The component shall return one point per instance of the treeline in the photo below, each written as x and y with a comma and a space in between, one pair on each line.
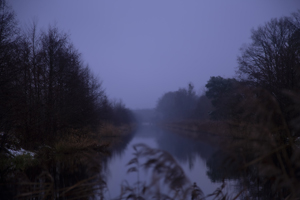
46, 89
267, 77
257, 113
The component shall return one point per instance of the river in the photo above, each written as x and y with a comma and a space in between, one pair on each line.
191, 155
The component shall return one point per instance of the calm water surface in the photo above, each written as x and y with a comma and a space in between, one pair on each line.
191, 155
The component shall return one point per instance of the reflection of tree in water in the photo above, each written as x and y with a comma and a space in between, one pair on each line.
249, 180
118, 149
220, 167
184, 149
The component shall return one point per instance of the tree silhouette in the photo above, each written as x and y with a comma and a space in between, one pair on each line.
45, 87
272, 60
224, 97
9, 36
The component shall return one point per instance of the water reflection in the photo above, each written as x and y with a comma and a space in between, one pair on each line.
221, 166
190, 155
183, 148
229, 165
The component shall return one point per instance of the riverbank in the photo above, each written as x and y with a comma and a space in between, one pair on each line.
259, 150
207, 131
70, 166
225, 131
114, 135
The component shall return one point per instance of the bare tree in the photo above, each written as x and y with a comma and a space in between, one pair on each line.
9, 34
272, 60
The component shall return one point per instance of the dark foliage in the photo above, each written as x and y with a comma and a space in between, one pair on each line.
225, 97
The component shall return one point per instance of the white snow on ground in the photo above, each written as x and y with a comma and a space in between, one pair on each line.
20, 152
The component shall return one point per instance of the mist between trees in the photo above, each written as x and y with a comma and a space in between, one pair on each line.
258, 112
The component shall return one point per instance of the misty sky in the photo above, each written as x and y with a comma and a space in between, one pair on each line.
141, 49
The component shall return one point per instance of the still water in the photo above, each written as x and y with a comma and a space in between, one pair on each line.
190, 154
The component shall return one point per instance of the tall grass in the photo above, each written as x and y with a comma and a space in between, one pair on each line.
168, 180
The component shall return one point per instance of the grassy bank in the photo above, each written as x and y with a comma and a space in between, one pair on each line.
201, 130
68, 168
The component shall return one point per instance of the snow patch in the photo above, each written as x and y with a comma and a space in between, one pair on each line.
20, 152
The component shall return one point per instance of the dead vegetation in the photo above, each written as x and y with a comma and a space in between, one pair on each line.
168, 180
68, 169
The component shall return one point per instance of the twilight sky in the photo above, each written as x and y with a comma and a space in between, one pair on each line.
141, 49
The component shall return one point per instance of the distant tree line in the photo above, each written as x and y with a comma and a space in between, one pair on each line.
183, 104
45, 87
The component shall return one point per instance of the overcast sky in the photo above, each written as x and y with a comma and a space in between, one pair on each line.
141, 49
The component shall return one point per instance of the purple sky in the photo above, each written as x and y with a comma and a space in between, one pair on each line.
141, 49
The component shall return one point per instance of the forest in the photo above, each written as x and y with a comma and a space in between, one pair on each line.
50, 102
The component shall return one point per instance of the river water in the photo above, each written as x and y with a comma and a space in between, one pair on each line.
191, 155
